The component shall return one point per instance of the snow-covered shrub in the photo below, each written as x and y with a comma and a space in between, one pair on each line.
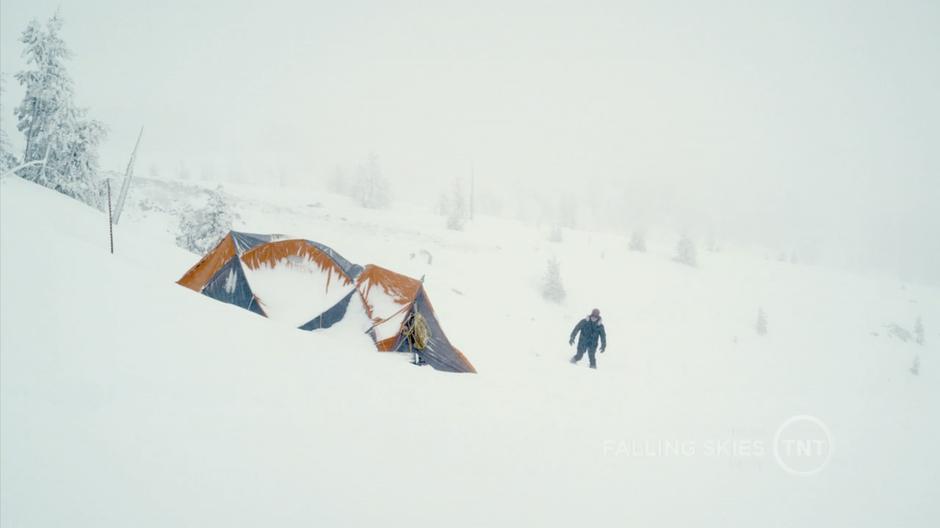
552, 288
760, 326
899, 332
919, 331
201, 229
637, 241
555, 235
685, 251
915, 368
457, 215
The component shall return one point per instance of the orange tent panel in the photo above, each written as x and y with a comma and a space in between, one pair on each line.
272, 253
197, 276
398, 288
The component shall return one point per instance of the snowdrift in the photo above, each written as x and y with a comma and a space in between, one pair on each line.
126, 400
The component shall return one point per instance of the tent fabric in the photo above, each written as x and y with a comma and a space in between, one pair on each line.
274, 252
245, 269
351, 270
389, 299
200, 274
439, 352
331, 316
295, 280
230, 286
386, 296
245, 241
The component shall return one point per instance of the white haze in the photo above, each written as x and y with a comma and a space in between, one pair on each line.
803, 125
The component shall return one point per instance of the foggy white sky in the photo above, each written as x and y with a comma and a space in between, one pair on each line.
794, 121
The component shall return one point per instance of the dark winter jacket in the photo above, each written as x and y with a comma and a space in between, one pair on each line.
590, 331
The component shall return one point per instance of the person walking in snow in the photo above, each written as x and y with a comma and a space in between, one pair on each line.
591, 328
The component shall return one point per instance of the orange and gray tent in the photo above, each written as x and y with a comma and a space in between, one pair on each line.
248, 270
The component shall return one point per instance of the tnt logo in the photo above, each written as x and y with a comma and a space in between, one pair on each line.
803, 445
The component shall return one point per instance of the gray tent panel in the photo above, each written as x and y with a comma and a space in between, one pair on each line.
229, 285
438, 353
351, 270
331, 316
246, 241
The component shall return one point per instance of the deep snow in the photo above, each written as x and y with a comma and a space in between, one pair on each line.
128, 400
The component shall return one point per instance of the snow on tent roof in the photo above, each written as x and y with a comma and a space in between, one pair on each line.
295, 280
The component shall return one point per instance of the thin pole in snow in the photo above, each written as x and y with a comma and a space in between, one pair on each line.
128, 174
110, 223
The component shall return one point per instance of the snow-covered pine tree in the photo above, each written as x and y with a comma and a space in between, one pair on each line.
711, 243
552, 288
54, 127
371, 188
556, 234
201, 229
457, 215
637, 241
685, 251
568, 212
915, 368
761, 325
443, 205
919, 331
7, 157
339, 181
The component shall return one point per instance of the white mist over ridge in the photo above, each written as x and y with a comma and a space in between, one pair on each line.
790, 126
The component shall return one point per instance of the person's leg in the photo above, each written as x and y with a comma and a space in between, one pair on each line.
577, 357
591, 352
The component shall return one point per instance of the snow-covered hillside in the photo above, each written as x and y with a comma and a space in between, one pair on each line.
128, 400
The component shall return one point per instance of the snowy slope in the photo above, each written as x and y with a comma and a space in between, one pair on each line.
130, 401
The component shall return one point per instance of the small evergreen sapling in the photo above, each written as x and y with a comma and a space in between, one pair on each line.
552, 288
761, 325
685, 251
457, 215
637, 242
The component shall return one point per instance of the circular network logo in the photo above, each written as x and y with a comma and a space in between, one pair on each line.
803, 445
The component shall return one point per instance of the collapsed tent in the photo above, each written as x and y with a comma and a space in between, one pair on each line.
311, 286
